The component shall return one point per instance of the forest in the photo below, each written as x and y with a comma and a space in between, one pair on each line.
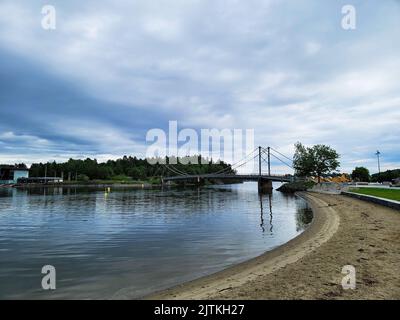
126, 168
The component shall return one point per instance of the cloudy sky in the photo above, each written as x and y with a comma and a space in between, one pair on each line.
112, 70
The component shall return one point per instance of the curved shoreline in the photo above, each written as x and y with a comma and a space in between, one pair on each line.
324, 225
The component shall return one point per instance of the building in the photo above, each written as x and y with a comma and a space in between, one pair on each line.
10, 174
40, 180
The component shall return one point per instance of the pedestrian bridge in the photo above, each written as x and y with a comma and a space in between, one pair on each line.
227, 177
264, 180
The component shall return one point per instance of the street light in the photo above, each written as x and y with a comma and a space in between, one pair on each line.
379, 164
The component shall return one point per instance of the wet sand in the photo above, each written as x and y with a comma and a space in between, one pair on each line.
344, 231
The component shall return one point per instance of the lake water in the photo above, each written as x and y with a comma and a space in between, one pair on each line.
133, 242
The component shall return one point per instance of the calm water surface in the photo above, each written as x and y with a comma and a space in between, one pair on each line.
134, 242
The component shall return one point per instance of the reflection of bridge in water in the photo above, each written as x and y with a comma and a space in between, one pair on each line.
264, 179
262, 224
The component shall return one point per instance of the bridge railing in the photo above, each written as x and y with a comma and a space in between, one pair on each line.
230, 176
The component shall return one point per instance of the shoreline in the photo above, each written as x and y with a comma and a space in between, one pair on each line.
145, 186
85, 185
344, 231
323, 226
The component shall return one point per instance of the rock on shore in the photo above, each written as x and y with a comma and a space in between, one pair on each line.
293, 187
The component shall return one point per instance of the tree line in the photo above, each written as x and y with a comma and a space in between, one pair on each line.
321, 160
362, 174
126, 168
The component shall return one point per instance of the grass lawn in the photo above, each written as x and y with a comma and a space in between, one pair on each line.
392, 194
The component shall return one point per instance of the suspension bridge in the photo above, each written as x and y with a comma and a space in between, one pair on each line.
264, 179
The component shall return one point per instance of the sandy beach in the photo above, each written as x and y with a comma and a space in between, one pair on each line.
344, 231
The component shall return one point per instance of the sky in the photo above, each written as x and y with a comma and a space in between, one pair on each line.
113, 70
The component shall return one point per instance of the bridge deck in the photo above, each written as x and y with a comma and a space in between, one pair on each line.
246, 177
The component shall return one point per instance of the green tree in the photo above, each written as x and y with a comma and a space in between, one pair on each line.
360, 174
386, 176
317, 160
138, 169
83, 178
302, 160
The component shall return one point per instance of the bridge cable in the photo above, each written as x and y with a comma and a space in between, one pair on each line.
234, 166
276, 157
291, 160
176, 171
280, 153
290, 166
172, 168
266, 162
272, 175
247, 162
231, 167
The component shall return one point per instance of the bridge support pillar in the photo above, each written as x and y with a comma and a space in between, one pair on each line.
265, 186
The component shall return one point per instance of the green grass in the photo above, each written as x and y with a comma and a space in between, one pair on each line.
391, 194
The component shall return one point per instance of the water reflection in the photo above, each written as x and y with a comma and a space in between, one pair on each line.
304, 217
132, 242
262, 213
266, 197
270, 212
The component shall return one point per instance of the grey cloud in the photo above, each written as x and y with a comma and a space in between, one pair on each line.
286, 69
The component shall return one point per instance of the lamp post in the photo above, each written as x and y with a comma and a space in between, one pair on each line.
379, 164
